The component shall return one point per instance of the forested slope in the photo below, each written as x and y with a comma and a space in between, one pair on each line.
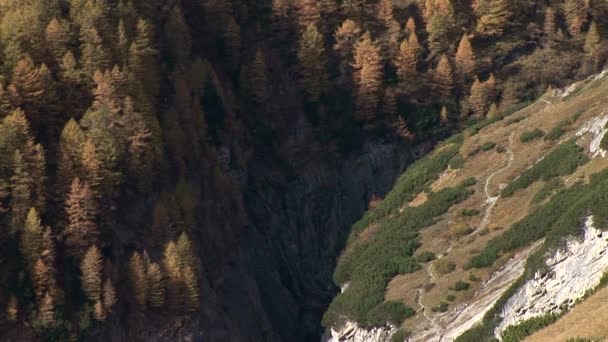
149, 148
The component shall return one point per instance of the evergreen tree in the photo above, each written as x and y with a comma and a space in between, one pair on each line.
12, 309
410, 26
109, 295
90, 268
40, 280
46, 311
493, 111
489, 89
32, 238
57, 38
592, 40
311, 55
444, 78
82, 210
368, 77
346, 36
143, 58
173, 272
95, 56
465, 58
156, 285
402, 130
444, 116
477, 99
407, 59
21, 192
99, 312
550, 25
575, 12
509, 96
69, 162
138, 279
309, 13
389, 102
191, 290
496, 20
91, 165
32, 86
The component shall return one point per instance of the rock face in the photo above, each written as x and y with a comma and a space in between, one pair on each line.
596, 127
572, 271
351, 332
278, 281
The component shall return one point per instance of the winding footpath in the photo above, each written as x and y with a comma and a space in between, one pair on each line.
483, 225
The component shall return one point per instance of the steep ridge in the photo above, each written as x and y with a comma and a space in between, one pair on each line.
527, 165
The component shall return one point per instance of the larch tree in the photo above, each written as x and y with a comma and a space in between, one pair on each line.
311, 55
407, 59
368, 77
138, 279
143, 58
31, 89
178, 36
82, 209
21, 191
309, 13
90, 268
495, 22
191, 289
465, 58
592, 40
443, 78
156, 286
440, 23
410, 26
173, 272
508, 98
37, 165
346, 36
12, 309
444, 116
109, 295
46, 311
91, 165
402, 130
490, 89
32, 238
69, 163
550, 23
99, 311
40, 280
95, 56
493, 111
575, 12
57, 38
477, 99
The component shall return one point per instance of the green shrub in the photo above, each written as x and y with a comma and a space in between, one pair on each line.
457, 162
400, 335
484, 232
516, 333
451, 297
469, 212
392, 312
443, 266
501, 149
460, 230
555, 134
426, 256
473, 277
461, 286
515, 120
488, 146
469, 182
442, 307
550, 188
531, 135
562, 161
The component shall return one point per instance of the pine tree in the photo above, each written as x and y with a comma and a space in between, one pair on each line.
37, 161
123, 40
438, 28
385, 11
309, 13
95, 56
99, 311
68, 157
410, 26
191, 290
90, 268
46, 311
496, 20
489, 89
31, 90
407, 59
346, 36
109, 295
143, 58
368, 77
31, 239
82, 210
592, 40
91, 165
138, 279
402, 130
477, 99
12, 309
311, 55
576, 15
156, 284
465, 58
444, 78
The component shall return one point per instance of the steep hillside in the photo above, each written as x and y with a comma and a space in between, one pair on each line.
498, 232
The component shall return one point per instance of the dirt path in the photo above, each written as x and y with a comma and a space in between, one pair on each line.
484, 222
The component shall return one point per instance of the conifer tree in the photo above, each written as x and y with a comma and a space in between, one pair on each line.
402, 129
309, 13
156, 284
37, 161
173, 271
346, 36
438, 28
143, 58
232, 37
82, 210
109, 295
21, 192
95, 55
123, 42
99, 312
592, 40
444, 78
489, 89
444, 117
32, 238
40, 280
46, 311
508, 98
257, 79
389, 102
477, 99
368, 77
191, 294
410, 26
12, 309
31, 89
68, 157
407, 59
496, 20
311, 55
91, 165
138, 279
550, 25
465, 58
493, 111
57, 37
575, 12
90, 268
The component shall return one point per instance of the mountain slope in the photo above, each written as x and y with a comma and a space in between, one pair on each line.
449, 244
